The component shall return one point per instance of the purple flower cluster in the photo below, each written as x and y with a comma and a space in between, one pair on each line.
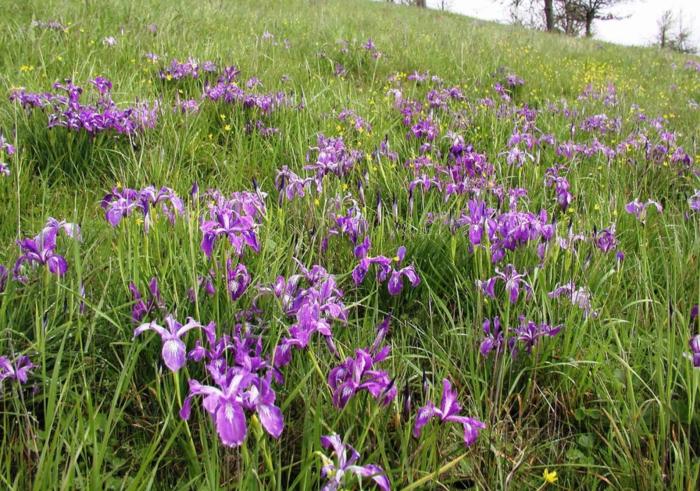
525, 336
467, 172
227, 90
351, 224
122, 202
188, 69
602, 124
423, 129
241, 382
236, 218
332, 157
290, 185
506, 231
314, 308
103, 116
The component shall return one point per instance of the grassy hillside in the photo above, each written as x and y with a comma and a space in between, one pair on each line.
507, 162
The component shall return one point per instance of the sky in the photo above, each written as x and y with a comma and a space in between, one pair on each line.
639, 28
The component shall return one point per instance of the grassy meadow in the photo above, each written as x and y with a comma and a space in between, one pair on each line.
516, 168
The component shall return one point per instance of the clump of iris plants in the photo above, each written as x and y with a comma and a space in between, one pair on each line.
123, 202
65, 108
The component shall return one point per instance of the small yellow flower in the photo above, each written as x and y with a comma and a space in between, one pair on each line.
549, 477
227, 127
317, 202
26, 68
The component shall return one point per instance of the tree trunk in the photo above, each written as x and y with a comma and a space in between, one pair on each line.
420, 3
589, 23
549, 14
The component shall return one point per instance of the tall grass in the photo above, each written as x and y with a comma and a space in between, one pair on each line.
610, 402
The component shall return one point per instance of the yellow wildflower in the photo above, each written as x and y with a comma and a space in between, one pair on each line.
549, 477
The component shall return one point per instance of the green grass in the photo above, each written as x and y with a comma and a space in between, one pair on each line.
608, 403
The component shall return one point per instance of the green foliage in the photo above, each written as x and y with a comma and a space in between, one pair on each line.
610, 402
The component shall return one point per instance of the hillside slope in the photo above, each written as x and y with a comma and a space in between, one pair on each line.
368, 213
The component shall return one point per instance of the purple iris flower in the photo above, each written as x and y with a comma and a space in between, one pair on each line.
494, 337
528, 333
358, 373
237, 279
4, 169
605, 240
226, 404
561, 187
19, 371
387, 270
41, 249
336, 472
513, 282
694, 344
448, 412
3, 278
639, 209
142, 308
290, 184
424, 129
569, 242
581, 297
174, 348
694, 201
102, 84
352, 224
